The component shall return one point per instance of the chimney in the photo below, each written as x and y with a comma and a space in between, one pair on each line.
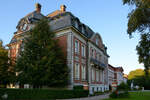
62, 8
38, 8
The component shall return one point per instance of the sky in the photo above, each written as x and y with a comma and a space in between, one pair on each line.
107, 17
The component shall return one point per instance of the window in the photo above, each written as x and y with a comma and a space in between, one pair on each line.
77, 71
76, 24
83, 50
99, 57
24, 27
83, 72
97, 75
92, 53
93, 75
76, 46
99, 79
101, 75
83, 31
97, 41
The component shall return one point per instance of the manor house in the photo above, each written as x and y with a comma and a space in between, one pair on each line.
85, 52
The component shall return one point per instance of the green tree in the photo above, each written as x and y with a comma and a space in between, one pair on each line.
135, 73
139, 78
143, 50
139, 21
41, 62
6, 72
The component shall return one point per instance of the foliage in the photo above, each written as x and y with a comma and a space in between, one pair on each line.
139, 16
123, 87
41, 62
42, 94
141, 81
139, 20
135, 73
143, 50
122, 94
78, 87
6, 71
134, 96
121, 91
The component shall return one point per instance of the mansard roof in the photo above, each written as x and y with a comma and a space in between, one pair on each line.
30, 18
60, 20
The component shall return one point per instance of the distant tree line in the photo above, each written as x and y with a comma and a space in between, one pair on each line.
138, 77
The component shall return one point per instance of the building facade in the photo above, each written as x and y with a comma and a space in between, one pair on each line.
115, 76
86, 54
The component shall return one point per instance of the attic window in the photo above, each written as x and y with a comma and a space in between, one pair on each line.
97, 41
24, 27
76, 24
83, 30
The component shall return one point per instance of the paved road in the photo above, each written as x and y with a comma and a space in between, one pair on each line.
100, 97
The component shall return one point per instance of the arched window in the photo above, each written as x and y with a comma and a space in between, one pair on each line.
97, 41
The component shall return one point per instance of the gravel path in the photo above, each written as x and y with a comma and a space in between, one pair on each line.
100, 97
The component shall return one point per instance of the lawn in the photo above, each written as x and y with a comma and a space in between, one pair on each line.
136, 96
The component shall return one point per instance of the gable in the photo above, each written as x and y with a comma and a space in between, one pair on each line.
96, 38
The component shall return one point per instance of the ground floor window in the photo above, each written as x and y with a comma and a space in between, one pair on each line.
93, 74
97, 75
101, 75
77, 71
83, 72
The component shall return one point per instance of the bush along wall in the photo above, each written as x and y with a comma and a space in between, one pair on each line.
121, 92
42, 94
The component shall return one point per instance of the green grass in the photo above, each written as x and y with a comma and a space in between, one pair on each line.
135, 96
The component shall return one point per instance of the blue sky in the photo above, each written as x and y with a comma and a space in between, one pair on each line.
108, 17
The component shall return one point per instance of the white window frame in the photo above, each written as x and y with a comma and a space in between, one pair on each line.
77, 71
76, 24
83, 50
93, 74
83, 72
76, 46
101, 71
92, 52
97, 75
97, 40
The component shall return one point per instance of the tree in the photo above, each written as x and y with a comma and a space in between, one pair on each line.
41, 62
143, 50
6, 72
139, 21
135, 73
139, 78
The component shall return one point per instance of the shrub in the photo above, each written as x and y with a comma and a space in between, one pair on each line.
113, 95
78, 87
123, 86
120, 94
42, 94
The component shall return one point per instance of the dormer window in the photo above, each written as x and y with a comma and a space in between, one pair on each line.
97, 40
83, 30
76, 24
24, 27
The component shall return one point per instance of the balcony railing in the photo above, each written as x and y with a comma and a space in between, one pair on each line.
98, 63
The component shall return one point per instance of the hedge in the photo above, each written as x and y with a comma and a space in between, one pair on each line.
42, 94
